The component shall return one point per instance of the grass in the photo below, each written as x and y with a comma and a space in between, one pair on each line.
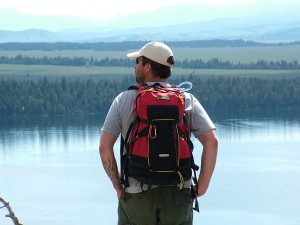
232, 54
241, 54
224, 72
38, 71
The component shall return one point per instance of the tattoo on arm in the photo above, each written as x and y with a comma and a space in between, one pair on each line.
110, 167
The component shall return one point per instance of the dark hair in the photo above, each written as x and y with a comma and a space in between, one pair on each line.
158, 69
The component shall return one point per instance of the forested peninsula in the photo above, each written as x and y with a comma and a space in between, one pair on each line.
214, 63
62, 95
71, 96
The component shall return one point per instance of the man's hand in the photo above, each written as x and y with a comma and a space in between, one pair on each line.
119, 189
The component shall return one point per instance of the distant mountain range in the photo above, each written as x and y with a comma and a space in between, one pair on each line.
274, 26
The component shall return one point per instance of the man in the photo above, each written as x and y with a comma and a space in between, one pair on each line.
158, 204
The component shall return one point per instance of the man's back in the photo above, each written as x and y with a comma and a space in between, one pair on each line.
159, 204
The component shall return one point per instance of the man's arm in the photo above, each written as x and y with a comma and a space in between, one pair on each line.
209, 141
107, 142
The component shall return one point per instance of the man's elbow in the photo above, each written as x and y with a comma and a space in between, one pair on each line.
209, 139
106, 143
103, 147
215, 142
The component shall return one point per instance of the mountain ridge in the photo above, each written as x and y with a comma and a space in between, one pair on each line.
279, 25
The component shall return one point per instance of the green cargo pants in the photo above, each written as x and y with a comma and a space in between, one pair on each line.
164, 205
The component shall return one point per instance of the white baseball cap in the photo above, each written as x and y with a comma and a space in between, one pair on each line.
156, 51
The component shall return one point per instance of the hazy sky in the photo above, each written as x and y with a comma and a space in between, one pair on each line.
73, 14
105, 9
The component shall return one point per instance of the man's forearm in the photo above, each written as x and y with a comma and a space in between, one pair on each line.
208, 163
208, 160
111, 169
108, 158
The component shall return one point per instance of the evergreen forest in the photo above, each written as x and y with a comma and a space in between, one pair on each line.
70, 96
61, 96
126, 45
214, 63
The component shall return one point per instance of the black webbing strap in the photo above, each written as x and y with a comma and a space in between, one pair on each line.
193, 166
123, 155
123, 161
124, 148
142, 133
196, 207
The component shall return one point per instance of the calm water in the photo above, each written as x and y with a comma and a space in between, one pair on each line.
50, 172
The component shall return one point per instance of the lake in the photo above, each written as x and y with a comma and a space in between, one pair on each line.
51, 173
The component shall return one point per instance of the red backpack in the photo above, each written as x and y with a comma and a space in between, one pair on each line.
157, 149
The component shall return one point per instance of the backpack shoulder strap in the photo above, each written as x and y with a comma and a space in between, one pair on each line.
137, 87
133, 87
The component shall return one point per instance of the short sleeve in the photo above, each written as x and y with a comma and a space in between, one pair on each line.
119, 116
112, 123
198, 119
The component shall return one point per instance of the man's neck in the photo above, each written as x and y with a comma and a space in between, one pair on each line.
156, 79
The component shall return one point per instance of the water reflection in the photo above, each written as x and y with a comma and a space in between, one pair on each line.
263, 127
45, 134
79, 133
56, 161
243, 130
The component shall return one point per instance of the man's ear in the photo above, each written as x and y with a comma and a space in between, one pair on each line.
148, 66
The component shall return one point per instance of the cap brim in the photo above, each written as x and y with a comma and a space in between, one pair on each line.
134, 55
